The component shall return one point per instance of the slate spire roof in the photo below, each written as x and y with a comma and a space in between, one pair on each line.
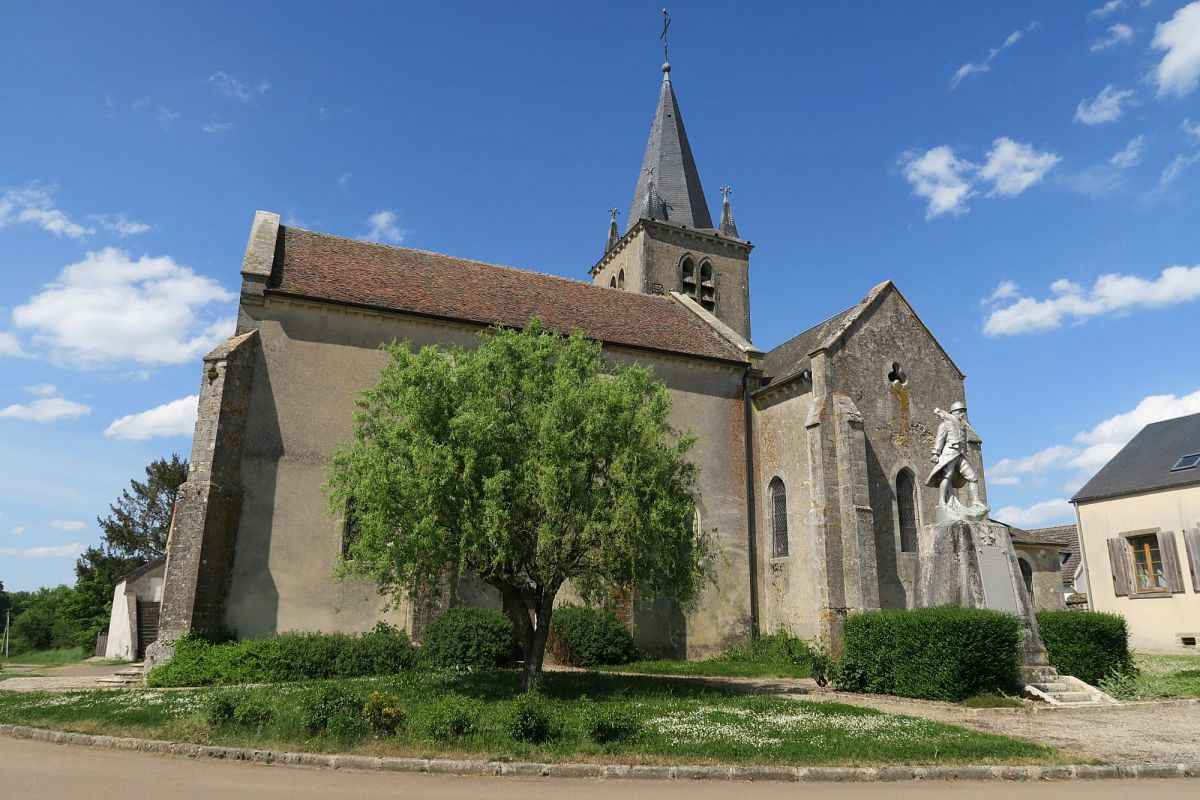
668, 187
728, 226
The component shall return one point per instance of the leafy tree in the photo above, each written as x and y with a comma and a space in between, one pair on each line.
526, 463
135, 532
43, 620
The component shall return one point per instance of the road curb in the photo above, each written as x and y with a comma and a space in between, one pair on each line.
475, 767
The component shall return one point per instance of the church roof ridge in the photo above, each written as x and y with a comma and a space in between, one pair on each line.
324, 267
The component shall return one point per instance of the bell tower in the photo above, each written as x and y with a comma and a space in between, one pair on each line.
670, 243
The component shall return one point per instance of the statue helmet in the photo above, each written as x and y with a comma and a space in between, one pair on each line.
958, 406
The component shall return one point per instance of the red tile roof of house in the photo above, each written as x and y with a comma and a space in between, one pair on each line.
331, 268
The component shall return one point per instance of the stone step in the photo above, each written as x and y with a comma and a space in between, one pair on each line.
1051, 688
129, 672
117, 681
1072, 697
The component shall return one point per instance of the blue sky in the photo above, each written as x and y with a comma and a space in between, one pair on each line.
1028, 174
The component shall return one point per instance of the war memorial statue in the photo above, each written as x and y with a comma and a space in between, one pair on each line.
951, 467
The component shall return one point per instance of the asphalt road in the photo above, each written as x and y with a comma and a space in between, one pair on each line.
65, 772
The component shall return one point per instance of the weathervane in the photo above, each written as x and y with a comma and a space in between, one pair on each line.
663, 35
613, 212
725, 192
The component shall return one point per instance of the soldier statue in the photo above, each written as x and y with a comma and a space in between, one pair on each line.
949, 455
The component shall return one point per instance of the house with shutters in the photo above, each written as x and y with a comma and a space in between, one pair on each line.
1139, 533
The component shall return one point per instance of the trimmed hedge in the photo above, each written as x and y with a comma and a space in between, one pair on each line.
586, 637
465, 637
943, 653
287, 657
1090, 645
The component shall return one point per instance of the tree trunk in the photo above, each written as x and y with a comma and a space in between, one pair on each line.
535, 653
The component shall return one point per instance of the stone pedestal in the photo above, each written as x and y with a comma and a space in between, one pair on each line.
971, 563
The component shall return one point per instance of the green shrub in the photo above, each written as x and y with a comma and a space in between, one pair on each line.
1090, 645
335, 711
468, 637
451, 716
530, 719
585, 637
774, 648
286, 657
610, 724
944, 653
384, 713
240, 709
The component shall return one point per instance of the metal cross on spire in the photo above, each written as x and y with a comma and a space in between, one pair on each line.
725, 192
663, 35
613, 212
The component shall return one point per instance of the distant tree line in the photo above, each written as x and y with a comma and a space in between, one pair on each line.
134, 533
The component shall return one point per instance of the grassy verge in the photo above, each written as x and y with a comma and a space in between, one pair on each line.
672, 722
715, 668
1157, 676
48, 658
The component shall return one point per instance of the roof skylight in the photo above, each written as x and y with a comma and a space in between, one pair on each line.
1186, 462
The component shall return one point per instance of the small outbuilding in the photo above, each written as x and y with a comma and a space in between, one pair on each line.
133, 623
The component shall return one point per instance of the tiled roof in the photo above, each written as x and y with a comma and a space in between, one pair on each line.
1145, 463
323, 267
1066, 537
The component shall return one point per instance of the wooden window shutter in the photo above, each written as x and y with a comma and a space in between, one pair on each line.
1191, 538
1170, 557
1118, 557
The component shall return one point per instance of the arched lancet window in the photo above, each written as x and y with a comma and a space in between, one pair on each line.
687, 271
612, 282
779, 527
708, 289
1026, 575
906, 511
621, 279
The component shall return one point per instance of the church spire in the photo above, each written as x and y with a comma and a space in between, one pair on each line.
613, 235
727, 227
668, 186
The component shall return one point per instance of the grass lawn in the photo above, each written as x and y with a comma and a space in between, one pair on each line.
471, 714
47, 658
1157, 676
716, 668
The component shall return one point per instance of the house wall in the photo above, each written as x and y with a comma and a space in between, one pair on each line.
899, 424
313, 361
1155, 623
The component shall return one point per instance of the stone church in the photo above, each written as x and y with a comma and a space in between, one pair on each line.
812, 455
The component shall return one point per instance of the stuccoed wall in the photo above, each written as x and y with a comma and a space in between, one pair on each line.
792, 588
899, 423
314, 359
1154, 622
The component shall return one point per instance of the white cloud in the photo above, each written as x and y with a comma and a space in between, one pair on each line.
61, 551
1111, 7
939, 177
1013, 167
120, 224
49, 409
1106, 107
384, 228
10, 346
1179, 71
67, 524
1093, 448
1005, 290
41, 389
1057, 510
110, 307
230, 86
1112, 293
1118, 34
176, 418
34, 205
162, 114
216, 125
17, 531
986, 65
1131, 156
1178, 164
1190, 128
